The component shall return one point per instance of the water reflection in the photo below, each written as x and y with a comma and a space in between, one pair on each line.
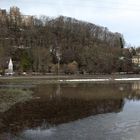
56, 104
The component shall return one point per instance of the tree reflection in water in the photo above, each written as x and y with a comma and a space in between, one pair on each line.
55, 104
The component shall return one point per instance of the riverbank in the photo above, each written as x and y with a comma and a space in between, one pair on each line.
45, 79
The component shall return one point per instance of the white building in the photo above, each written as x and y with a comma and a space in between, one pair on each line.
136, 59
9, 71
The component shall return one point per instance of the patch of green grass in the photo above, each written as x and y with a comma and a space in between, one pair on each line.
11, 96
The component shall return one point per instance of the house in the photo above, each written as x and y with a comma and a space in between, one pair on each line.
136, 59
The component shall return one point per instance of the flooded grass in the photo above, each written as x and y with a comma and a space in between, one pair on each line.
11, 96
47, 79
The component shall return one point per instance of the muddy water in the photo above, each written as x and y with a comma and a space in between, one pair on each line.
75, 112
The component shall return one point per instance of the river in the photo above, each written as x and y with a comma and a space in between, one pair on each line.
76, 111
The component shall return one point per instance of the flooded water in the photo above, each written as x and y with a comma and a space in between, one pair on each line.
105, 111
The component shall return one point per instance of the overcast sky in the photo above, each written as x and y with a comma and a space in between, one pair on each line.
119, 16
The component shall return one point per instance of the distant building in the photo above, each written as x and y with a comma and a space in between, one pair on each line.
15, 15
14, 11
2, 14
136, 59
9, 71
27, 20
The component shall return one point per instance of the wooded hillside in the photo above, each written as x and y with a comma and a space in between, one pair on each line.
38, 44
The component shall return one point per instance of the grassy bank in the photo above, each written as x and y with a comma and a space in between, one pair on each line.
11, 96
